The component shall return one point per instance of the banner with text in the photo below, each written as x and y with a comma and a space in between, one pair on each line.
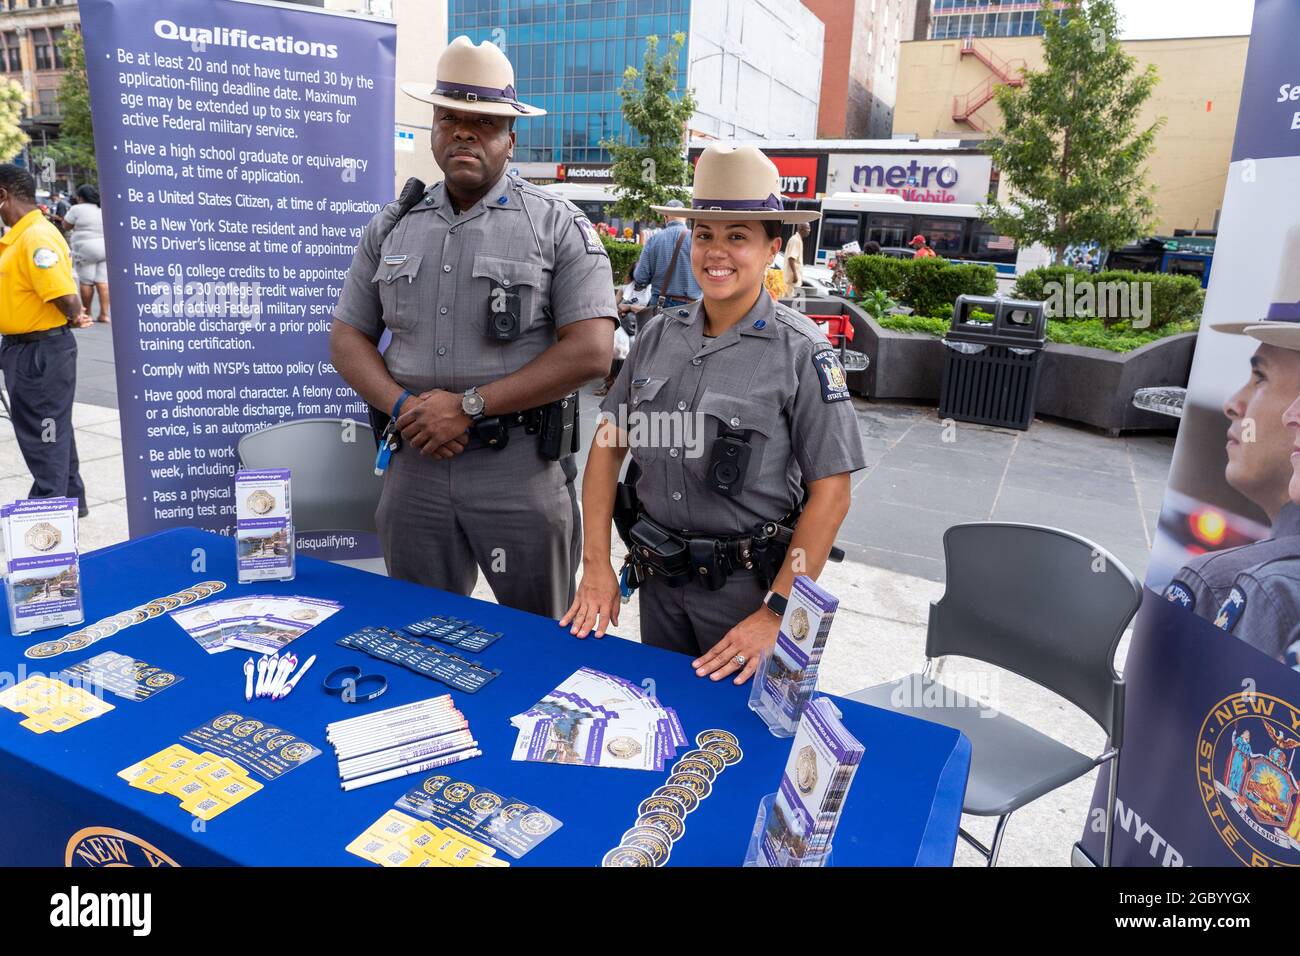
242, 148
1207, 771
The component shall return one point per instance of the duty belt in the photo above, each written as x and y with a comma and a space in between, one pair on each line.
494, 432
678, 557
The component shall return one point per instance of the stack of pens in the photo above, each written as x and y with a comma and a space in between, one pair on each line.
399, 741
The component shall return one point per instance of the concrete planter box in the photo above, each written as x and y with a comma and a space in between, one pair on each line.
1096, 387
1091, 386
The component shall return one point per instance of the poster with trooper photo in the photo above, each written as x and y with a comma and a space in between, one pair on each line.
1207, 769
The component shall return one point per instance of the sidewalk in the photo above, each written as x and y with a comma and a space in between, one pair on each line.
917, 485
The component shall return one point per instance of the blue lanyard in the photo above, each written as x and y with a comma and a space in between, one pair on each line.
388, 440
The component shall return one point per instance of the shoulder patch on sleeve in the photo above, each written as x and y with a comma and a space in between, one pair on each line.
45, 258
1231, 611
1178, 593
590, 236
835, 387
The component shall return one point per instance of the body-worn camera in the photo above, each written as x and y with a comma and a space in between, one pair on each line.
503, 322
728, 462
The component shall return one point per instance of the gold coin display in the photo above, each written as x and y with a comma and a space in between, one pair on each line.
47, 649
706, 737
708, 756
77, 640
627, 856
691, 765
687, 797
730, 753
691, 781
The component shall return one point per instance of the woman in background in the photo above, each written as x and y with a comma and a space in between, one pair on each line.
85, 226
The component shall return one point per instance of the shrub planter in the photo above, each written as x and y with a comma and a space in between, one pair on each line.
1095, 386
1091, 386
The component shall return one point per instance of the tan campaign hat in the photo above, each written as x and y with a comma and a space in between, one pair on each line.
1284, 307
736, 184
1282, 334
473, 79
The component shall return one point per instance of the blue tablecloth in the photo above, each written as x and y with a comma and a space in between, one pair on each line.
903, 808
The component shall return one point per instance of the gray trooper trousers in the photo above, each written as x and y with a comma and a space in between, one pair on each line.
510, 513
691, 619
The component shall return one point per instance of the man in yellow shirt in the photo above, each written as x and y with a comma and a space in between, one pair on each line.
38, 301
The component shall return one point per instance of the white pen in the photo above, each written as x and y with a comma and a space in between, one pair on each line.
362, 747
399, 733
249, 668
432, 720
389, 712
402, 720
292, 682
400, 746
287, 664
404, 756
407, 771
261, 676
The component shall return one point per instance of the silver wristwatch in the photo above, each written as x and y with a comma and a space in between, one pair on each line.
472, 404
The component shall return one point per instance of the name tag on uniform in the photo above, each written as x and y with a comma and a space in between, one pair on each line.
394, 260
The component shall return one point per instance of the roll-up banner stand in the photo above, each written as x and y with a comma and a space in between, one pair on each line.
1207, 771
242, 147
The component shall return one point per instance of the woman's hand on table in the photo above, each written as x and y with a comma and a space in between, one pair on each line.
596, 604
739, 651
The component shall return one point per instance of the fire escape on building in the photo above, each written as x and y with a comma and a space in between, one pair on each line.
1004, 73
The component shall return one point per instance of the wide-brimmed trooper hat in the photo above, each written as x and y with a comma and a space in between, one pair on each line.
1283, 313
736, 184
1285, 336
473, 79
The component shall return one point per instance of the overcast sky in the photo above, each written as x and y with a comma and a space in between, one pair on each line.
1153, 19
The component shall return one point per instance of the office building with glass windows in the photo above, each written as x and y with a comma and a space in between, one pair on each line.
985, 18
755, 66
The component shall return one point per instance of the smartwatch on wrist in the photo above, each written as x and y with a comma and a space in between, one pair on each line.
775, 603
472, 404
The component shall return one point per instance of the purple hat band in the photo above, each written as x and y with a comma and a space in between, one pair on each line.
479, 94
1284, 312
772, 202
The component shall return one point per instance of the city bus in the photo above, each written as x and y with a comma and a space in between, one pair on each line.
953, 230
594, 200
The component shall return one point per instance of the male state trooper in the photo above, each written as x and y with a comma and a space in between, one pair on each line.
1259, 462
1263, 604
500, 303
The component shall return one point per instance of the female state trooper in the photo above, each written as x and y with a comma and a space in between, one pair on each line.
731, 406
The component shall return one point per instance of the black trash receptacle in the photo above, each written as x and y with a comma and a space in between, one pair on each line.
991, 368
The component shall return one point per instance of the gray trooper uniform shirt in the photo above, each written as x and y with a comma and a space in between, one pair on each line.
1262, 607
773, 375
431, 284
1203, 584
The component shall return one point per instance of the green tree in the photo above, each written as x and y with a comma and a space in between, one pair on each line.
75, 147
12, 137
654, 169
1069, 145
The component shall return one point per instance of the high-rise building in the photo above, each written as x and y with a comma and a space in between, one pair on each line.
30, 31
755, 66
986, 18
945, 92
860, 65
